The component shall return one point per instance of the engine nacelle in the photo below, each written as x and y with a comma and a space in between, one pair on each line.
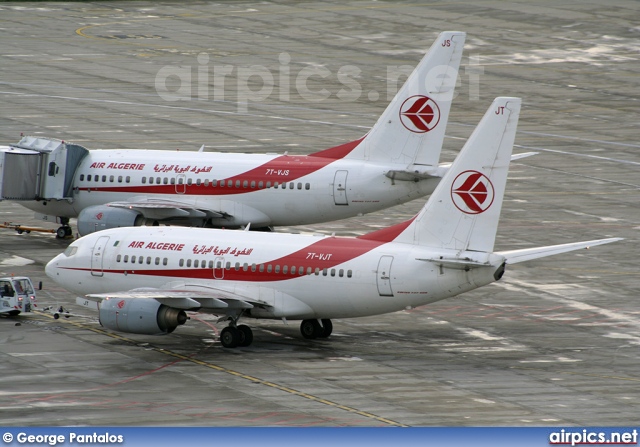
140, 316
100, 217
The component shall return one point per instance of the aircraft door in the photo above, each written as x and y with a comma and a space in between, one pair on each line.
340, 188
218, 268
97, 256
383, 278
181, 184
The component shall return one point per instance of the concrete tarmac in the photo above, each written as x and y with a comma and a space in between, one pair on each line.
555, 342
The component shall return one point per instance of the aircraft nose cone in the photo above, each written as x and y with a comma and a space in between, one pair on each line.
50, 268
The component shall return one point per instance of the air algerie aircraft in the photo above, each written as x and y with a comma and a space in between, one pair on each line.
395, 162
146, 279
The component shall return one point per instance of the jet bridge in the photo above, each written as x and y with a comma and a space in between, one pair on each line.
39, 169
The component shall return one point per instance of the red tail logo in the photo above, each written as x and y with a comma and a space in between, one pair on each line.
419, 114
472, 192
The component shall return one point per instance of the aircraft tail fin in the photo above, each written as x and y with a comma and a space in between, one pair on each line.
463, 212
411, 129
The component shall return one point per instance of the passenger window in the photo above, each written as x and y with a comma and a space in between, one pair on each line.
245, 184
128, 179
188, 262
119, 179
140, 259
349, 273
299, 185
307, 186
118, 258
165, 261
150, 180
81, 177
291, 185
157, 260
149, 260
111, 178
269, 268
285, 269
261, 185
126, 258
196, 263
333, 272
158, 180
253, 184
341, 273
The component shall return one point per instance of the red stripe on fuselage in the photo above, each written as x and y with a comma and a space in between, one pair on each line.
326, 253
283, 169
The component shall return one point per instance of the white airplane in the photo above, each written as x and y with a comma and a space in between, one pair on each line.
395, 162
146, 278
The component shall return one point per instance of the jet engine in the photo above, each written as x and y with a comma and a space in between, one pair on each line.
140, 316
100, 217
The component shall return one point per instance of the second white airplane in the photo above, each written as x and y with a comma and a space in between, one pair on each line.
395, 162
146, 279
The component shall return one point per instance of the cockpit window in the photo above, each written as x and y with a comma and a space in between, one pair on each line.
70, 251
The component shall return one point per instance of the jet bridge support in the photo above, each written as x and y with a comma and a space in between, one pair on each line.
40, 169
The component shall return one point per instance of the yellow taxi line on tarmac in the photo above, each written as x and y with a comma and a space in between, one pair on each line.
232, 372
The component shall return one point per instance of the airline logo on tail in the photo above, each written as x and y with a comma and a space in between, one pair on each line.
419, 114
472, 192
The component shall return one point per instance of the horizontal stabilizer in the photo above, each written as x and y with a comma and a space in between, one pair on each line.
527, 254
523, 155
465, 264
409, 176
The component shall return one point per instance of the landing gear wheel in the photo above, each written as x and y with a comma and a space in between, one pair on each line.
230, 337
310, 329
64, 231
327, 328
246, 335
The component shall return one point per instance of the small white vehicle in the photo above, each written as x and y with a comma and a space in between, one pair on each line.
17, 294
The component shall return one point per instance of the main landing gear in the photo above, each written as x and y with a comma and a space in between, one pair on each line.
236, 336
312, 329
65, 230
241, 336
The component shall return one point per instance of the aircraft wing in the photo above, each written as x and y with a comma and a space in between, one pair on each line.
526, 254
165, 209
197, 297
